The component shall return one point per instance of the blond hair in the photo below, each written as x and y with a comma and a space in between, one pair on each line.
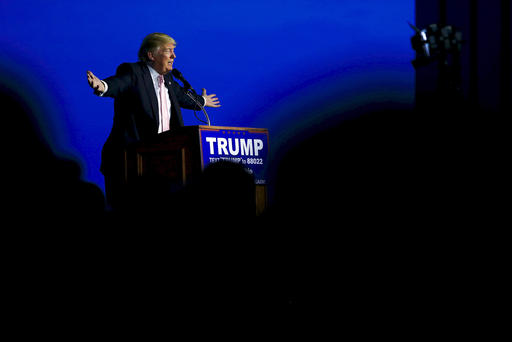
151, 43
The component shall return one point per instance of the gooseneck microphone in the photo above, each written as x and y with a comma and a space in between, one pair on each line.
176, 73
188, 90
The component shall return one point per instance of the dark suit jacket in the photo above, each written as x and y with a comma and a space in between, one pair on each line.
136, 109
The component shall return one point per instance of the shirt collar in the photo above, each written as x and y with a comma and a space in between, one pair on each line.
154, 73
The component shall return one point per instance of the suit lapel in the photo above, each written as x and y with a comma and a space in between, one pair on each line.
150, 89
168, 83
176, 119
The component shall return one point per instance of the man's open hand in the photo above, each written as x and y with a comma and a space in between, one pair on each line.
95, 83
210, 100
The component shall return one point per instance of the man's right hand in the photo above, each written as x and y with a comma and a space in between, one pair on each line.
95, 83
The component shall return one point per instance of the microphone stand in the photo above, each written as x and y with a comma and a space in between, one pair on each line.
190, 92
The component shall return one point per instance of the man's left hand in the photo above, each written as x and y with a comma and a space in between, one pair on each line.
210, 100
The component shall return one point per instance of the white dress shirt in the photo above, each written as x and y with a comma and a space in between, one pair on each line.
156, 84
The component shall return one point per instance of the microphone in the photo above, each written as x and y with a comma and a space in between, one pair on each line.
176, 73
188, 89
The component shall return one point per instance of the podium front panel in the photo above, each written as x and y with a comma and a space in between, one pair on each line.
246, 146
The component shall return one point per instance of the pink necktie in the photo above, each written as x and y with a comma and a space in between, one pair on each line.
164, 110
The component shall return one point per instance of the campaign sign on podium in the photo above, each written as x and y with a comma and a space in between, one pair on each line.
246, 146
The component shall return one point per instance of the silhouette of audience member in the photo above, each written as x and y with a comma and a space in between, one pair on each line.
63, 267
226, 189
369, 213
221, 259
42, 185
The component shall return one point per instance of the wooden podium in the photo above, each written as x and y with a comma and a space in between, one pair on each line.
181, 155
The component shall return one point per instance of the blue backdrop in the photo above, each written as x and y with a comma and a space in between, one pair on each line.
289, 66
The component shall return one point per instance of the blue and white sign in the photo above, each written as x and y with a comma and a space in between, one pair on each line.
245, 146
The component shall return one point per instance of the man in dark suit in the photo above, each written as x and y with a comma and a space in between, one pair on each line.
147, 102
